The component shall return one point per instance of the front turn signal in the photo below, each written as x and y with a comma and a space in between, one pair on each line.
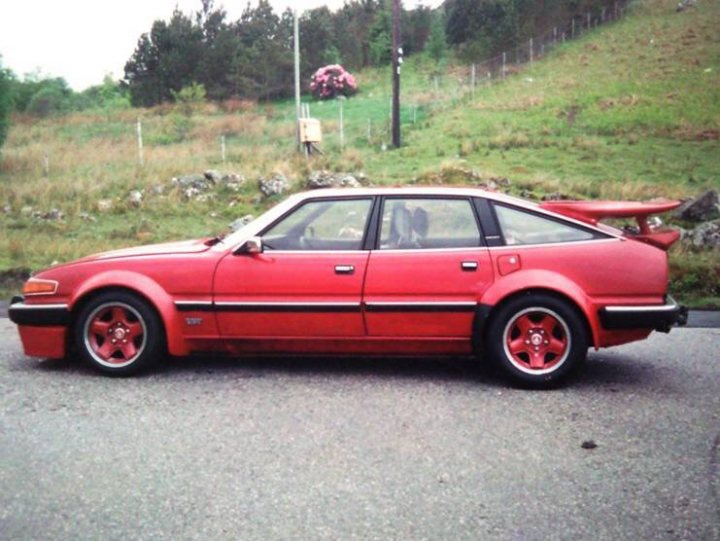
35, 286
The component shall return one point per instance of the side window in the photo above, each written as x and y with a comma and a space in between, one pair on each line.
415, 223
520, 227
321, 225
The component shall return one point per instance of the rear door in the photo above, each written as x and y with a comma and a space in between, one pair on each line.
428, 270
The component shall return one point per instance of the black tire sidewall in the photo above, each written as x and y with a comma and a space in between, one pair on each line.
572, 318
154, 334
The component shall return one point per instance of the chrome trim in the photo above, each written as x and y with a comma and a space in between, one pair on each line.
23, 306
556, 244
643, 308
254, 304
416, 250
344, 269
421, 303
186, 303
469, 265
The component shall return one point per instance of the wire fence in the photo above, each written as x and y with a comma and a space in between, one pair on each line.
441, 91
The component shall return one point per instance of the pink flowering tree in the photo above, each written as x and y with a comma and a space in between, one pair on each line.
331, 81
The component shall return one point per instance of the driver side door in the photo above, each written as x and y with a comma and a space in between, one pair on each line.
307, 282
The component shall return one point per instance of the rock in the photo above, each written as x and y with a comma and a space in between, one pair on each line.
85, 217
205, 197
104, 205
53, 215
704, 207
135, 198
232, 181
198, 182
7, 209
158, 189
275, 185
241, 222
213, 176
682, 6
706, 235
327, 179
556, 196
588, 444
26, 210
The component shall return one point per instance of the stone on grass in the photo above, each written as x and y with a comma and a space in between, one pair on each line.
275, 185
701, 208
327, 179
241, 222
135, 198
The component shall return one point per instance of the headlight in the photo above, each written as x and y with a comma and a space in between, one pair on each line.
36, 286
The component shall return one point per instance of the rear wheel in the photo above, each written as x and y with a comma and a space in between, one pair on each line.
537, 339
118, 333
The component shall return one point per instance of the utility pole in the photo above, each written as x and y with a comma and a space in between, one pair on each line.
296, 40
396, 62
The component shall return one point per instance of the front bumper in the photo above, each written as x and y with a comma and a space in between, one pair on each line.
43, 327
658, 317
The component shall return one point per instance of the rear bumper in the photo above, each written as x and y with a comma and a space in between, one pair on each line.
657, 317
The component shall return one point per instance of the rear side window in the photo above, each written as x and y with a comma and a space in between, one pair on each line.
417, 223
521, 227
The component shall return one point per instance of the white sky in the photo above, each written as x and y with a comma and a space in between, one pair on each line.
82, 40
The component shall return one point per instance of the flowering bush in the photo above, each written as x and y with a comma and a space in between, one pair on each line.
331, 81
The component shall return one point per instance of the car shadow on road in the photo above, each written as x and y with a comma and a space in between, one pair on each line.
600, 371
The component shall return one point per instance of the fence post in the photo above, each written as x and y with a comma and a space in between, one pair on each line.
602, 15
222, 148
542, 49
472, 80
532, 52
554, 34
572, 28
588, 20
141, 159
504, 59
563, 38
342, 127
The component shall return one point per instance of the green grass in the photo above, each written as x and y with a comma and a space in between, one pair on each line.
630, 110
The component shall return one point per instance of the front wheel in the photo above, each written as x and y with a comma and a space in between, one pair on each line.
118, 333
537, 339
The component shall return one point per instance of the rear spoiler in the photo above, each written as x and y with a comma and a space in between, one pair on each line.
592, 212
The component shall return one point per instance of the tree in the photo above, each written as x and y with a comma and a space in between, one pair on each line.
437, 41
381, 38
6, 101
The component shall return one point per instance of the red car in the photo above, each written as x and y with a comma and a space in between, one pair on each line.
370, 271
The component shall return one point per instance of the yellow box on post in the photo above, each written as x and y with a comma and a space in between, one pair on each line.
310, 130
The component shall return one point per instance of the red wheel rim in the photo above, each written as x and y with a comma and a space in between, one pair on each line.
537, 340
115, 334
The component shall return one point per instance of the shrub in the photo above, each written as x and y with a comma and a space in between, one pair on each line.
330, 81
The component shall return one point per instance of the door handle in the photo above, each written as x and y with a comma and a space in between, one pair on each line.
469, 266
344, 269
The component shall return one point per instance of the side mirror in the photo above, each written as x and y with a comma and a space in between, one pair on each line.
253, 245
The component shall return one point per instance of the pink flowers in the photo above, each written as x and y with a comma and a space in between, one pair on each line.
331, 81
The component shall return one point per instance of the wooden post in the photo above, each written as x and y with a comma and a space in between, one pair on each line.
472, 80
532, 52
396, 61
504, 61
342, 128
554, 34
572, 28
588, 21
141, 159
222, 148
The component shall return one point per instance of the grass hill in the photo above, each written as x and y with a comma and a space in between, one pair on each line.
629, 110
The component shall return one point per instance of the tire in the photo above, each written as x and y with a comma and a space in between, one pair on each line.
537, 339
118, 333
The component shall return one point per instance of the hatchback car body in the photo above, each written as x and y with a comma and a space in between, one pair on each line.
370, 271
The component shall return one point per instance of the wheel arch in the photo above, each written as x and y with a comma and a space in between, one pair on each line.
547, 283
142, 286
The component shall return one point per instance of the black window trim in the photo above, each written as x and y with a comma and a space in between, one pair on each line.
596, 235
381, 209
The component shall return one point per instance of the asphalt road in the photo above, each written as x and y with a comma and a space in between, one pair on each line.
363, 449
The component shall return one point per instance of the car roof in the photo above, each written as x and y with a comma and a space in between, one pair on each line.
466, 191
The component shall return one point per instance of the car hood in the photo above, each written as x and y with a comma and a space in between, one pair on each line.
167, 248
